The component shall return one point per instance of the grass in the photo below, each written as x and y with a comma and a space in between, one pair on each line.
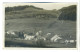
31, 43
32, 24
16, 43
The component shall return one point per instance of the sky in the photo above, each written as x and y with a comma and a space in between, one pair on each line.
47, 6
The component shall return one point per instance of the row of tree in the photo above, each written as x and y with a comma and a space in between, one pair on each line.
16, 8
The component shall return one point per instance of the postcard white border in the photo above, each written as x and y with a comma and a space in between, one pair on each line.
55, 49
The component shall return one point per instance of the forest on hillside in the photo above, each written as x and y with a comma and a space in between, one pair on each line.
68, 13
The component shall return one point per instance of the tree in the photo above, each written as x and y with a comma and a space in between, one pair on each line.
40, 43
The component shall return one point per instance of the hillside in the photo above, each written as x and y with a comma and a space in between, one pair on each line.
30, 12
18, 8
53, 26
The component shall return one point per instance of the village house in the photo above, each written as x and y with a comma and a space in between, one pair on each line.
10, 32
55, 38
52, 38
66, 41
48, 34
72, 41
69, 41
38, 33
28, 37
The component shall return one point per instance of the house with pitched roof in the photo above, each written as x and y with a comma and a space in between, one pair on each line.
55, 38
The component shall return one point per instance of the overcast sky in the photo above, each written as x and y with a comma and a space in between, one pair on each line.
47, 6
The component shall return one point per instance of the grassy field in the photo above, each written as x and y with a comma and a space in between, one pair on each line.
32, 24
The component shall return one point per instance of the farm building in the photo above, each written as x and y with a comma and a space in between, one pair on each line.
55, 38
52, 38
10, 32
66, 41
70, 41
28, 37
38, 33
15, 34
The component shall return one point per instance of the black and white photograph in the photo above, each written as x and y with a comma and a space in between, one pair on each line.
40, 24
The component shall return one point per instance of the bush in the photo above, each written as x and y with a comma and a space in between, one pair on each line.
40, 43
